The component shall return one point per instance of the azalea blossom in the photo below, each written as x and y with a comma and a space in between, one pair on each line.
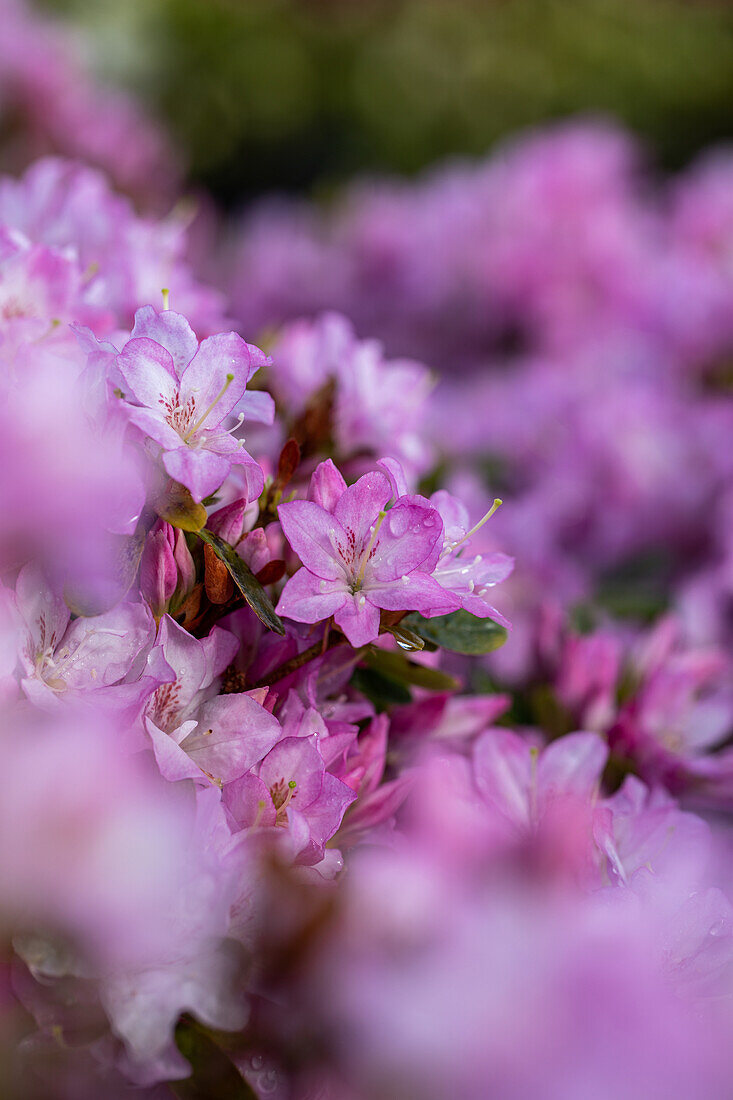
360, 558
184, 392
197, 733
63, 659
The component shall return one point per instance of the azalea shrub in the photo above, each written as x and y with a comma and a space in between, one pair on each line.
365, 625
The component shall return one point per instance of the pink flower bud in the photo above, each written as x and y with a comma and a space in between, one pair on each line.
228, 522
158, 570
184, 563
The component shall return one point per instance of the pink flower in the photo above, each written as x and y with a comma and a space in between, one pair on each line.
360, 558
125, 259
521, 784
468, 578
184, 391
63, 659
291, 788
379, 404
165, 567
196, 733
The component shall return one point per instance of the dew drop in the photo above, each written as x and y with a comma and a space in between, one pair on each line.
398, 522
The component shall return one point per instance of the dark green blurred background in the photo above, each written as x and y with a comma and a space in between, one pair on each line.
297, 94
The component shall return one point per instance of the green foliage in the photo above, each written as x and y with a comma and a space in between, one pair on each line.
460, 632
245, 580
403, 671
383, 691
214, 1076
283, 93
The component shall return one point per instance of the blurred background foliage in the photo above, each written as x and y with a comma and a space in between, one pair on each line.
300, 94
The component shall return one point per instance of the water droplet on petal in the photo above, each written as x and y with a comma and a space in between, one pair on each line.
398, 522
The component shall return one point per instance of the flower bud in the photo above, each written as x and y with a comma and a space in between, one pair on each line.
158, 569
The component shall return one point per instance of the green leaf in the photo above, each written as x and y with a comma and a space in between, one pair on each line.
380, 690
176, 506
459, 632
403, 671
214, 1076
406, 639
245, 581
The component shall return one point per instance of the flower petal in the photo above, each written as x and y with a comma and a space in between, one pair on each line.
503, 770
171, 330
295, 758
413, 592
154, 425
327, 486
248, 801
359, 506
257, 406
406, 538
233, 734
359, 620
315, 536
205, 377
572, 764
307, 598
202, 472
148, 370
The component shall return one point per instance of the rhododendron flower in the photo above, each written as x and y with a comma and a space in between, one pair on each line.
468, 578
360, 558
676, 723
292, 789
166, 566
379, 405
125, 259
184, 392
547, 797
64, 659
196, 733
39, 288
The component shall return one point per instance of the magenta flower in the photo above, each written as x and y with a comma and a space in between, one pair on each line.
360, 558
196, 733
166, 566
184, 392
63, 659
468, 577
292, 789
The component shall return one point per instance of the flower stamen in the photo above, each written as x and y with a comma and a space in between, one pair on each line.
195, 427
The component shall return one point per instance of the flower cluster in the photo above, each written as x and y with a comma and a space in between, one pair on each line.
284, 816
198, 734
